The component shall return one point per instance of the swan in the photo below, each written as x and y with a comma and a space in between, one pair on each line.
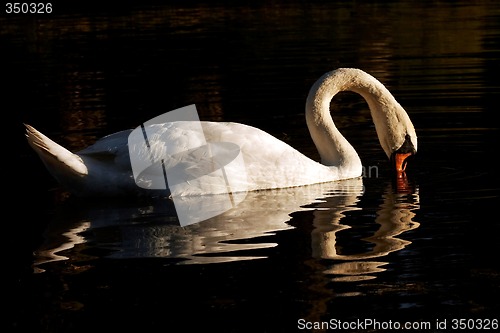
104, 168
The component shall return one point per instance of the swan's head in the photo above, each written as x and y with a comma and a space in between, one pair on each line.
395, 130
400, 157
396, 135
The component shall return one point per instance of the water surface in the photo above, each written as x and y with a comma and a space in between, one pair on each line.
350, 250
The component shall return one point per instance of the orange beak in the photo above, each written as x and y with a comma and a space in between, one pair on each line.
400, 161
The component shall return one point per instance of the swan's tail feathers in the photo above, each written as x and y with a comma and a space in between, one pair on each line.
58, 160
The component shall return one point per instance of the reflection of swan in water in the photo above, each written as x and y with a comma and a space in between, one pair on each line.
153, 231
395, 216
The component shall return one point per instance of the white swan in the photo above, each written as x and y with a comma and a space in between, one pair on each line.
104, 169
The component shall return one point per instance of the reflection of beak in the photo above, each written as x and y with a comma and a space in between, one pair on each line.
399, 160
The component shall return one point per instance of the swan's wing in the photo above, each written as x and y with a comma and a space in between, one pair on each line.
269, 162
112, 148
163, 140
110, 144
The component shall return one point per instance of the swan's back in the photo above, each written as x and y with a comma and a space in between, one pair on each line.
269, 162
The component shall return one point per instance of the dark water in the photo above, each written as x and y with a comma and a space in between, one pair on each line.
349, 251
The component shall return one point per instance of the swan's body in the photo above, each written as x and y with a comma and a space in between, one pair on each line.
105, 168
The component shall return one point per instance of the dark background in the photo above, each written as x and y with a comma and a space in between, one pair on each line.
88, 70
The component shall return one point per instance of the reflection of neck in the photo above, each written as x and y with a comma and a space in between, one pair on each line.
395, 217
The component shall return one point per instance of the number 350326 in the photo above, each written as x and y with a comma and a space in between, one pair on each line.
28, 8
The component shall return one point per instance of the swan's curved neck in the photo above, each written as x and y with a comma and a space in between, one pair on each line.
332, 146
